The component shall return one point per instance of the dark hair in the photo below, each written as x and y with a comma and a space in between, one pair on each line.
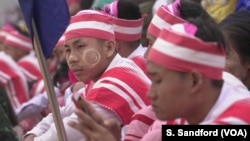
61, 73
189, 9
209, 32
21, 30
128, 10
236, 27
86, 4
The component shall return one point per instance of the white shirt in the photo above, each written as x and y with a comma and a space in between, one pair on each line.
139, 51
233, 81
45, 130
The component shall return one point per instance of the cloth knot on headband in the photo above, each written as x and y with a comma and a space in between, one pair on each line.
111, 9
178, 49
163, 18
173, 8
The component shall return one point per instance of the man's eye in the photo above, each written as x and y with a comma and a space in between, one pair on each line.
80, 46
67, 50
157, 81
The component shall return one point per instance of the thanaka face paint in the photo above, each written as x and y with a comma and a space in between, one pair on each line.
91, 57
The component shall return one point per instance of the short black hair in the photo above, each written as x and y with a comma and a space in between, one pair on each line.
21, 30
189, 9
128, 10
61, 72
236, 27
208, 31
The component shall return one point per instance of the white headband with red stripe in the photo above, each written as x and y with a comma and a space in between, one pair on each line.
90, 23
128, 30
125, 30
164, 18
61, 41
30, 68
17, 40
177, 48
5, 30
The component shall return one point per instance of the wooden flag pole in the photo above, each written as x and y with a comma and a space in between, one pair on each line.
49, 86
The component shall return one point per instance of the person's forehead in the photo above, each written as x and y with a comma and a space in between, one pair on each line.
154, 68
80, 40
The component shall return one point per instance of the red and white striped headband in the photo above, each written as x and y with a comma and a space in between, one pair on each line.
30, 68
128, 30
177, 48
61, 41
125, 30
90, 23
164, 18
5, 30
17, 40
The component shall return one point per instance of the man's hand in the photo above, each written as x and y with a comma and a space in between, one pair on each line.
94, 127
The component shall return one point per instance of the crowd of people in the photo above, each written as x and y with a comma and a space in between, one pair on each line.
137, 65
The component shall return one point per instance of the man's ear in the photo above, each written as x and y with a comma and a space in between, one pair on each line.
110, 48
197, 80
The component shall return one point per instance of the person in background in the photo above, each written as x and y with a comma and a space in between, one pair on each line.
4, 31
176, 12
38, 105
127, 26
128, 30
146, 9
12, 79
7, 117
74, 6
16, 46
236, 29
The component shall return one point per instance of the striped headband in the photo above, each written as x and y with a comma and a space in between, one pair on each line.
164, 18
17, 40
61, 41
128, 30
90, 23
30, 68
178, 49
125, 30
5, 30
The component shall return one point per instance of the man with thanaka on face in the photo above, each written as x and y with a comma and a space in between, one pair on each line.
91, 56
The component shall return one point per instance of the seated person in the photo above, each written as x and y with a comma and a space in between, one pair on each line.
195, 89
92, 57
